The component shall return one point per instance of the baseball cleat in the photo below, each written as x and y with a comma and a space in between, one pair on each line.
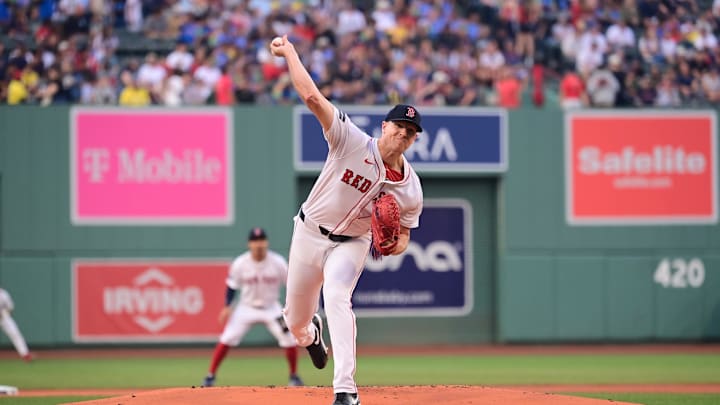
28, 357
346, 398
295, 381
317, 349
209, 381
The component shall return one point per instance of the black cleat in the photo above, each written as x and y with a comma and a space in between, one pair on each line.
317, 349
346, 398
209, 381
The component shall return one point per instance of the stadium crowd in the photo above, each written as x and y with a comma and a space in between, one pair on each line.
599, 53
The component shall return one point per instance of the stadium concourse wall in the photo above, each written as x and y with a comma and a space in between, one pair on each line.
536, 275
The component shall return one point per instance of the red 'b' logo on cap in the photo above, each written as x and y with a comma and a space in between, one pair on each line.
410, 112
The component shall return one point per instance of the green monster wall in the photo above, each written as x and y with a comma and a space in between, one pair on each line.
535, 278
590, 283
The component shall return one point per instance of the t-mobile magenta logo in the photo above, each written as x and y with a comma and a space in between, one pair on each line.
96, 162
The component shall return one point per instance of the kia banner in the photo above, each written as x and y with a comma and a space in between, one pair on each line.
641, 167
433, 277
147, 300
151, 166
457, 140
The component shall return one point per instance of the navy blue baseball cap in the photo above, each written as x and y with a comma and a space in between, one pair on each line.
404, 112
257, 234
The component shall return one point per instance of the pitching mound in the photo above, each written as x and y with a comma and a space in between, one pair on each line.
436, 394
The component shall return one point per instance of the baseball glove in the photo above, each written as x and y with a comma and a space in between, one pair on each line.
385, 225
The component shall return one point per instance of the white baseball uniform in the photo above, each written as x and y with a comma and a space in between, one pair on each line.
340, 202
259, 284
9, 326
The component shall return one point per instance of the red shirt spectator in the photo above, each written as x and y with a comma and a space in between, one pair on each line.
571, 90
508, 90
224, 89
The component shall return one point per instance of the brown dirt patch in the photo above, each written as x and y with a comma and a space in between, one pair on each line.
439, 394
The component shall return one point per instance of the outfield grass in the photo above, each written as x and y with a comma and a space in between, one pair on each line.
385, 370
44, 400
377, 370
655, 399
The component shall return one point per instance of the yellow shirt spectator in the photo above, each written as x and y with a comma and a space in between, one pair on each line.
17, 92
30, 78
134, 97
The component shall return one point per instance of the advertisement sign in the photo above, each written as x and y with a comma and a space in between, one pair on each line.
641, 167
147, 300
433, 277
454, 140
151, 166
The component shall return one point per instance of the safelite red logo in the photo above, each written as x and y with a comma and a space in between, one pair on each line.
147, 300
641, 168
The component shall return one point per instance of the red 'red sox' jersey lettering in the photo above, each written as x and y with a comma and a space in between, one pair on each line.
354, 180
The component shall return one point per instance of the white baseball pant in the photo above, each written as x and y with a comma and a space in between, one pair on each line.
317, 262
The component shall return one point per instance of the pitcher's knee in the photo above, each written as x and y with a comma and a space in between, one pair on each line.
341, 298
298, 327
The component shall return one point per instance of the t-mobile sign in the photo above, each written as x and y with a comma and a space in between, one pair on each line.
641, 168
151, 166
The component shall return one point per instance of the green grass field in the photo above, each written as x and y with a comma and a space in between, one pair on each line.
377, 370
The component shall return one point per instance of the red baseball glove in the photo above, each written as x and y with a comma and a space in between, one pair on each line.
385, 225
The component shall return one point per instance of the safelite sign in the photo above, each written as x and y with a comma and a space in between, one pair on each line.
641, 168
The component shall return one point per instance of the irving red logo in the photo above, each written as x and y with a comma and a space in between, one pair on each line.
357, 181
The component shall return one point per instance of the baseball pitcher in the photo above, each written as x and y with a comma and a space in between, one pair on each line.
367, 195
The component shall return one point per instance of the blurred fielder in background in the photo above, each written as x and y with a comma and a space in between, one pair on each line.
10, 327
258, 273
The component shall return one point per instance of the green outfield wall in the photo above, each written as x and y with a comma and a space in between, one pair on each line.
536, 277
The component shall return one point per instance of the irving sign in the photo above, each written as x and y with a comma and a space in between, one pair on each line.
122, 301
641, 168
151, 166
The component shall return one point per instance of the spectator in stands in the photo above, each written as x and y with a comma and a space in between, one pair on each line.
620, 36
194, 92
593, 37
687, 82
224, 90
17, 92
133, 95
602, 88
491, 63
508, 89
393, 49
179, 58
173, 89
208, 75
646, 93
668, 94
101, 92
566, 40
711, 85
649, 45
705, 39
134, 15
572, 91
349, 19
151, 75
590, 59
156, 25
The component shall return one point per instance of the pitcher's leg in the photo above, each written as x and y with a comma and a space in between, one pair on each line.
304, 281
342, 270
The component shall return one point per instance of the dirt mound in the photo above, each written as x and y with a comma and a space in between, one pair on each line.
435, 394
